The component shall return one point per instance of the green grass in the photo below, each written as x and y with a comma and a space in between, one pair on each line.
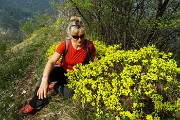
14, 66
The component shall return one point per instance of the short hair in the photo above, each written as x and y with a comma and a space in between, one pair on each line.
74, 30
75, 25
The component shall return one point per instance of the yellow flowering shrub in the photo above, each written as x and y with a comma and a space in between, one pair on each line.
51, 50
132, 84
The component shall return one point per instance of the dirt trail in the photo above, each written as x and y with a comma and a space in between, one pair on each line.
24, 88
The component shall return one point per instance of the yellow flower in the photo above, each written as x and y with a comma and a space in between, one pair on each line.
149, 117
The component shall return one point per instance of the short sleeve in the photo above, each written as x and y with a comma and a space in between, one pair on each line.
61, 48
92, 49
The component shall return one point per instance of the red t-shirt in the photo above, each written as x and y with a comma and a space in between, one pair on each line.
74, 56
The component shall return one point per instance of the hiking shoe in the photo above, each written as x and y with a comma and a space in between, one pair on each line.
51, 85
27, 109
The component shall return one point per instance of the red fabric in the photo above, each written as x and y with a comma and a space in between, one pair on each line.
74, 56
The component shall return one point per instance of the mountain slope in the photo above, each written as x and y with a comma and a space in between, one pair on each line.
14, 13
20, 68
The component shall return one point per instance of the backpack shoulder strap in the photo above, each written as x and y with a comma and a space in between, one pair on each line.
88, 56
66, 50
87, 48
67, 45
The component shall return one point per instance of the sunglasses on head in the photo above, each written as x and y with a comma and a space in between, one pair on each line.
77, 37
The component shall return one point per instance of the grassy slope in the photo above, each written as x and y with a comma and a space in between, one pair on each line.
20, 71
20, 63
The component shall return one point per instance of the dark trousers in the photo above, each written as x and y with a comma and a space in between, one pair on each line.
57, 74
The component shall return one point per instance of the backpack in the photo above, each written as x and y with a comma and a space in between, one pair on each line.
88, 57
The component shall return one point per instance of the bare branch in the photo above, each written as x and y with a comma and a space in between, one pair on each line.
80, 12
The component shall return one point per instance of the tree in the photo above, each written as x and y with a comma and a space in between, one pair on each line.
132, 23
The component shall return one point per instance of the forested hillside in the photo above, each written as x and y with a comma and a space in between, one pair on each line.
137, 76
16, 12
